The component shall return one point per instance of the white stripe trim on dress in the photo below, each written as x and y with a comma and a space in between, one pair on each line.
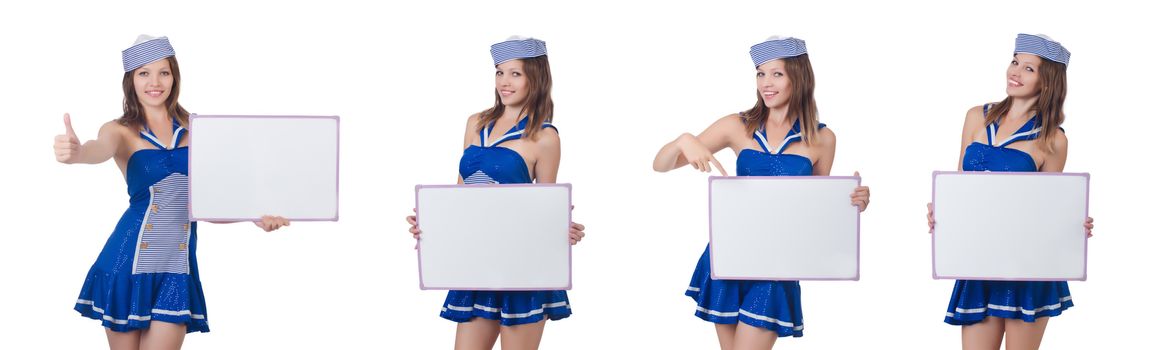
151, 137
718, 313
1010, 308
991, 134
486, 308
505, 315
751, 315
770, 319
694, 289
485, 135
523, 315
1015, 136
137, 317
175, 137
507, 137
762, 138
172, 313
172, 143
786, 142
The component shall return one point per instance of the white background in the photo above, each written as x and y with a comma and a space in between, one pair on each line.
894, 82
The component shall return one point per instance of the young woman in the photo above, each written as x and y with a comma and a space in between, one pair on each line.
144, 286
528, 150
779, 136
1019, 133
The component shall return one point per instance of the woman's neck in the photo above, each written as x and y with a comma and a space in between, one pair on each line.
778, 117
1022, 107
156, 115
512, 113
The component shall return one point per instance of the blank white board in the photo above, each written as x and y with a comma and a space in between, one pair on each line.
783, 228
494, 237
244, 167
1010, 226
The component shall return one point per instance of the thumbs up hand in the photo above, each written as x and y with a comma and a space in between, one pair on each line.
66, 145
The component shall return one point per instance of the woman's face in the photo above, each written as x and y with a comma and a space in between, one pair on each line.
511, 83
1023, 75
153, 83
773, 84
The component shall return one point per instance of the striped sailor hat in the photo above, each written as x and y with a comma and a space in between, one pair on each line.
146, 50
516, 47
1042, 46
775, 48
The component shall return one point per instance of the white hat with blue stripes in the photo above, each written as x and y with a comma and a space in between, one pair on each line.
1042, 46
516, 47
775, 48
146, 50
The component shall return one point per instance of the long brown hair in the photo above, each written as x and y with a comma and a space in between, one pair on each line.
801, 103
539, 104
1048, 107
134, 112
